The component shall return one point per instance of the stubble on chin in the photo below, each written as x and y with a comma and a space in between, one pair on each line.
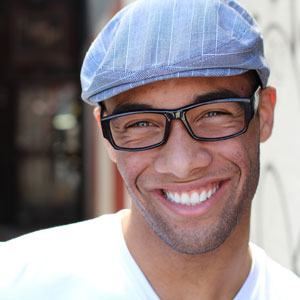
203, 239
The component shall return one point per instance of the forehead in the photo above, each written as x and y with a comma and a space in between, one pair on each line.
178, 92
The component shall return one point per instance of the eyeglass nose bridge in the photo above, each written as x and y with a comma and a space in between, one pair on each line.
178, 115
175, 115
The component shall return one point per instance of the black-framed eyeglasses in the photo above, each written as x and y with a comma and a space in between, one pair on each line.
213, 120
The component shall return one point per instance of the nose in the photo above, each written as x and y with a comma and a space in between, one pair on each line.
181, 155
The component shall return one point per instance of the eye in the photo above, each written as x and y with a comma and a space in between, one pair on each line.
214, 114
140, 124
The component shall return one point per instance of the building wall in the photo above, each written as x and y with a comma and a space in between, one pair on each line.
276, 222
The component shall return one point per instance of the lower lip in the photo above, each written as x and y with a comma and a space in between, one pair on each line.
193, 210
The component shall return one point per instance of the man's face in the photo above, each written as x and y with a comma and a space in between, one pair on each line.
163, 180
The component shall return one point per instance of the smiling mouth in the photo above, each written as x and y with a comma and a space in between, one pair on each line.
193, 197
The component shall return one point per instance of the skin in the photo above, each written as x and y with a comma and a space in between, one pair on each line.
185, 251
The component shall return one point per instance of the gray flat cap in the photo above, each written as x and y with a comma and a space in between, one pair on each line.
151, 40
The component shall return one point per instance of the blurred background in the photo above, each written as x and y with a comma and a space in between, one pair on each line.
49, 173
54, 169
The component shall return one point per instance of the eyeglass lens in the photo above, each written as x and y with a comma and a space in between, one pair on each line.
206, 121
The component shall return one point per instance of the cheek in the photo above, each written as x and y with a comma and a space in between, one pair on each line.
247, 145
243, 152
246, 154
131, 165
243, 155
251, 143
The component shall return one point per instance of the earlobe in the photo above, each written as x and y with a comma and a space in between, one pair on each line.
267, 102
97, 116
110, 150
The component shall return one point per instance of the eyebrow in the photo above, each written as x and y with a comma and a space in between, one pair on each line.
223, 94
122, 108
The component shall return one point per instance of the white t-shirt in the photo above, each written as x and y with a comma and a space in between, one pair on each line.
90, 260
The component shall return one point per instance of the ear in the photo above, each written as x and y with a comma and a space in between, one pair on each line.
267, 102
110, 150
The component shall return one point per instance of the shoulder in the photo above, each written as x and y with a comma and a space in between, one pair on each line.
66, 235
87, 260
277, 281
71, 249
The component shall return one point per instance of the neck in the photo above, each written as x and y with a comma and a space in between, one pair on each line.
174, 275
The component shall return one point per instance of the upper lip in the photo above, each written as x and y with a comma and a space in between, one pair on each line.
187, 186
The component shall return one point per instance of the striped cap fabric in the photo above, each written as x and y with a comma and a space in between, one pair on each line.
151, 40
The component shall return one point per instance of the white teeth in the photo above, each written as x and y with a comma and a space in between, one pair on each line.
194, 198
177, 198
209, 193
185, 199
203, 196
190, 198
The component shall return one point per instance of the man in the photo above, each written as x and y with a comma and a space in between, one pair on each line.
183, 103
